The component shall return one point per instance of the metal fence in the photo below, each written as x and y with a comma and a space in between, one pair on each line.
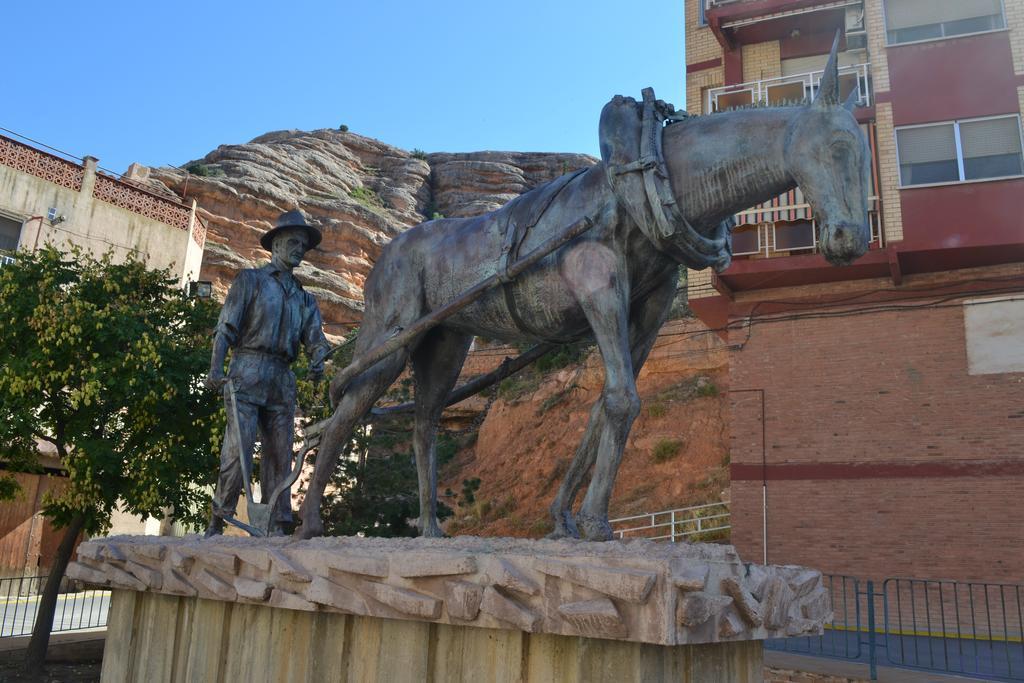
76, 609
697, 523
952, 627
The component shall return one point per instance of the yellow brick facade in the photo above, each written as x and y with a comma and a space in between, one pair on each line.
701, 44
761, 60
697, 83
874, 23
888, 173
1015, 22
698, 284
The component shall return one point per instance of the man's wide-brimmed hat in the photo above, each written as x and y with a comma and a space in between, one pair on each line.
291, 219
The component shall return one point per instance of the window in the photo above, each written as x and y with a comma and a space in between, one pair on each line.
701, 19
959, 151
10, 232
908, 21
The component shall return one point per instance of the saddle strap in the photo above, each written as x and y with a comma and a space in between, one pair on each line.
716, 253
515, 235
671, 232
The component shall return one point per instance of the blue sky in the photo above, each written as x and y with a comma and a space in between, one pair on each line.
164, 83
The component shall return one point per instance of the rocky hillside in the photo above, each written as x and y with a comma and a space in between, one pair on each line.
360, 191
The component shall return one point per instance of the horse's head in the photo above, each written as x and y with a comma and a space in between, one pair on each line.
828, 156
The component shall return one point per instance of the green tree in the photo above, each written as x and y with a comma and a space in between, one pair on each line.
104, 361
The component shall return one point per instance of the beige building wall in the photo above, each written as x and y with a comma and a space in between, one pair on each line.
701, 46
888, 173
874, 24
761, 60
89, 218
1015, 22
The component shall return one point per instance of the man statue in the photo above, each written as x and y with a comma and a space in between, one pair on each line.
265, 318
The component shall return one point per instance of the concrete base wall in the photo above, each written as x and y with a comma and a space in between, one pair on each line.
154, 637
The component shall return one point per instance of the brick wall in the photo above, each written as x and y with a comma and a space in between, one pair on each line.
852, 397
1015, 22
761, 60
888, 173
699, 81
874, 23
701, 44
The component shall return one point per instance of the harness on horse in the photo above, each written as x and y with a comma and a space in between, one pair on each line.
518, 224
648, 198
651, 202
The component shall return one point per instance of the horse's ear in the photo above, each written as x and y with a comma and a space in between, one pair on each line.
828, 88
852, 100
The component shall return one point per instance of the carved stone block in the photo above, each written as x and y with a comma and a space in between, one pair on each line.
640, 591
509, 611
594, 618
463, 599
693, 609
325, 592
404, 600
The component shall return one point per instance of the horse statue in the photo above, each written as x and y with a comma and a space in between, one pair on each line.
663, 195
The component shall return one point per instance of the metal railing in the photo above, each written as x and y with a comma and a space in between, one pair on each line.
76, 610
955, 627
969, 628
792, 89
696, 523
5, 259
762, 221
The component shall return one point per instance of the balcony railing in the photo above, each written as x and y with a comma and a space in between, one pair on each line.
790, 89
786, 227
700, 523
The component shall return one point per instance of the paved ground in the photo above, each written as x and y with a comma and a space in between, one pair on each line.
838, 667
74, 611
980, 659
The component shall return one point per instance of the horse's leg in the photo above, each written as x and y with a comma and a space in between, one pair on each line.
358, 398
436, 364
603, 295
647, 317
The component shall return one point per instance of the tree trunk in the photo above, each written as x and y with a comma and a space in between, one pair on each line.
35, 657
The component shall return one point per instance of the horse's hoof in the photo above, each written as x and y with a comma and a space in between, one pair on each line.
431, 530
593, 528
565, 527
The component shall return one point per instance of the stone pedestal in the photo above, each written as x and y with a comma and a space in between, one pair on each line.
462, 609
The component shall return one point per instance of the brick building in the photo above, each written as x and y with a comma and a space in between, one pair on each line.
45, 198
877, 410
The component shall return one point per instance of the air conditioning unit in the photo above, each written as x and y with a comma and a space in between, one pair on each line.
857, 41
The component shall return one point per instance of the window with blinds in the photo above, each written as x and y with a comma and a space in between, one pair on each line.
928, 155
960, 150
908, 21
991, 148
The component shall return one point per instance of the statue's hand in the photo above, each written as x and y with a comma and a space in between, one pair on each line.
215, 381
